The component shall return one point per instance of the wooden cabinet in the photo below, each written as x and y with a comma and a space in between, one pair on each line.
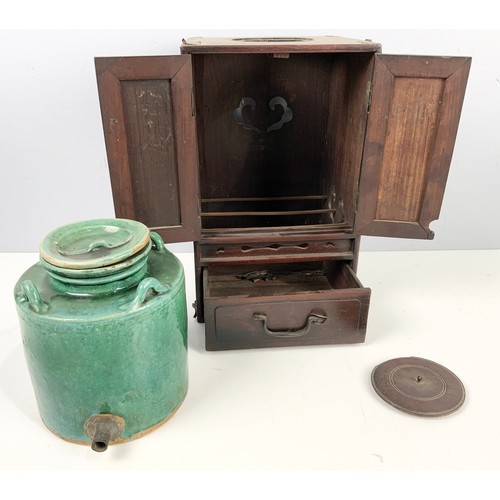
274, 156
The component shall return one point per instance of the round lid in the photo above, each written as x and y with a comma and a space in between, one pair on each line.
418, 386
94, 243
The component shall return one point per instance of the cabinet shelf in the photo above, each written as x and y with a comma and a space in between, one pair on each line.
266, 198
278, 212
267, 211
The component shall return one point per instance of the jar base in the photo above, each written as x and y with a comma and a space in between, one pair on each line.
121, 440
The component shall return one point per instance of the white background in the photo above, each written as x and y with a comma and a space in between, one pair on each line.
52, 157
53, 170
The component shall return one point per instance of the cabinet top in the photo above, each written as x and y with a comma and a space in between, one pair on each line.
202, 45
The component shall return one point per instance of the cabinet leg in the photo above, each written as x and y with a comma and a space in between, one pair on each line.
199, 303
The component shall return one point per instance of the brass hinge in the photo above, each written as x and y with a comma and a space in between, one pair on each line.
368, 97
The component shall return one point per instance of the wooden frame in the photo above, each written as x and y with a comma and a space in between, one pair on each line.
150, 137
415, 108
235, 321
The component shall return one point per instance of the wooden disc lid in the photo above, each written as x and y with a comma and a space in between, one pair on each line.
418, 386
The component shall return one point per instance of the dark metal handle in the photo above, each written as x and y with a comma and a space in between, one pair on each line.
291, 333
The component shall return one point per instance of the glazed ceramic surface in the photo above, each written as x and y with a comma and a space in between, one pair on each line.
116, 349
94, 243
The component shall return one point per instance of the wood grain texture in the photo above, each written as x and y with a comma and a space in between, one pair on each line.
277, 45
345, 132
323, 141
230, 322
151, 142
301, 250
413, 121
151, 145
281, 236
240, 163
116, 142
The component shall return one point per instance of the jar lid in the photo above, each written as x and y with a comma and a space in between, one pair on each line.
94, 243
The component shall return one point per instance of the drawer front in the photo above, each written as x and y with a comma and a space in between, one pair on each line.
289, 321
278, 252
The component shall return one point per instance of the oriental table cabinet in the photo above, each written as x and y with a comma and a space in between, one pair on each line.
274, 156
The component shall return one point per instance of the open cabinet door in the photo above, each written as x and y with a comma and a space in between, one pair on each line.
150, 135
413, 119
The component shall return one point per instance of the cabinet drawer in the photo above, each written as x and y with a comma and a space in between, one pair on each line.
276, 252
315, 304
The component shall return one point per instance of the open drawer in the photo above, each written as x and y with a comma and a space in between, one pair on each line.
284, 305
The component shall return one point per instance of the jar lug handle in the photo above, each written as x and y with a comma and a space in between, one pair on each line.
157, 241
30, 294
143, 289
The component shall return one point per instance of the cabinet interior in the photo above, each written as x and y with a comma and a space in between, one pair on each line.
278, 279
280, 138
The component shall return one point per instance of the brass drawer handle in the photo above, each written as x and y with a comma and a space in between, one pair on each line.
290, 333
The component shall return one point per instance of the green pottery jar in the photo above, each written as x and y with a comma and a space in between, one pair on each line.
104, 328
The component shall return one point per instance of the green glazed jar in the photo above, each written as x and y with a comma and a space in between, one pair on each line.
104, 327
